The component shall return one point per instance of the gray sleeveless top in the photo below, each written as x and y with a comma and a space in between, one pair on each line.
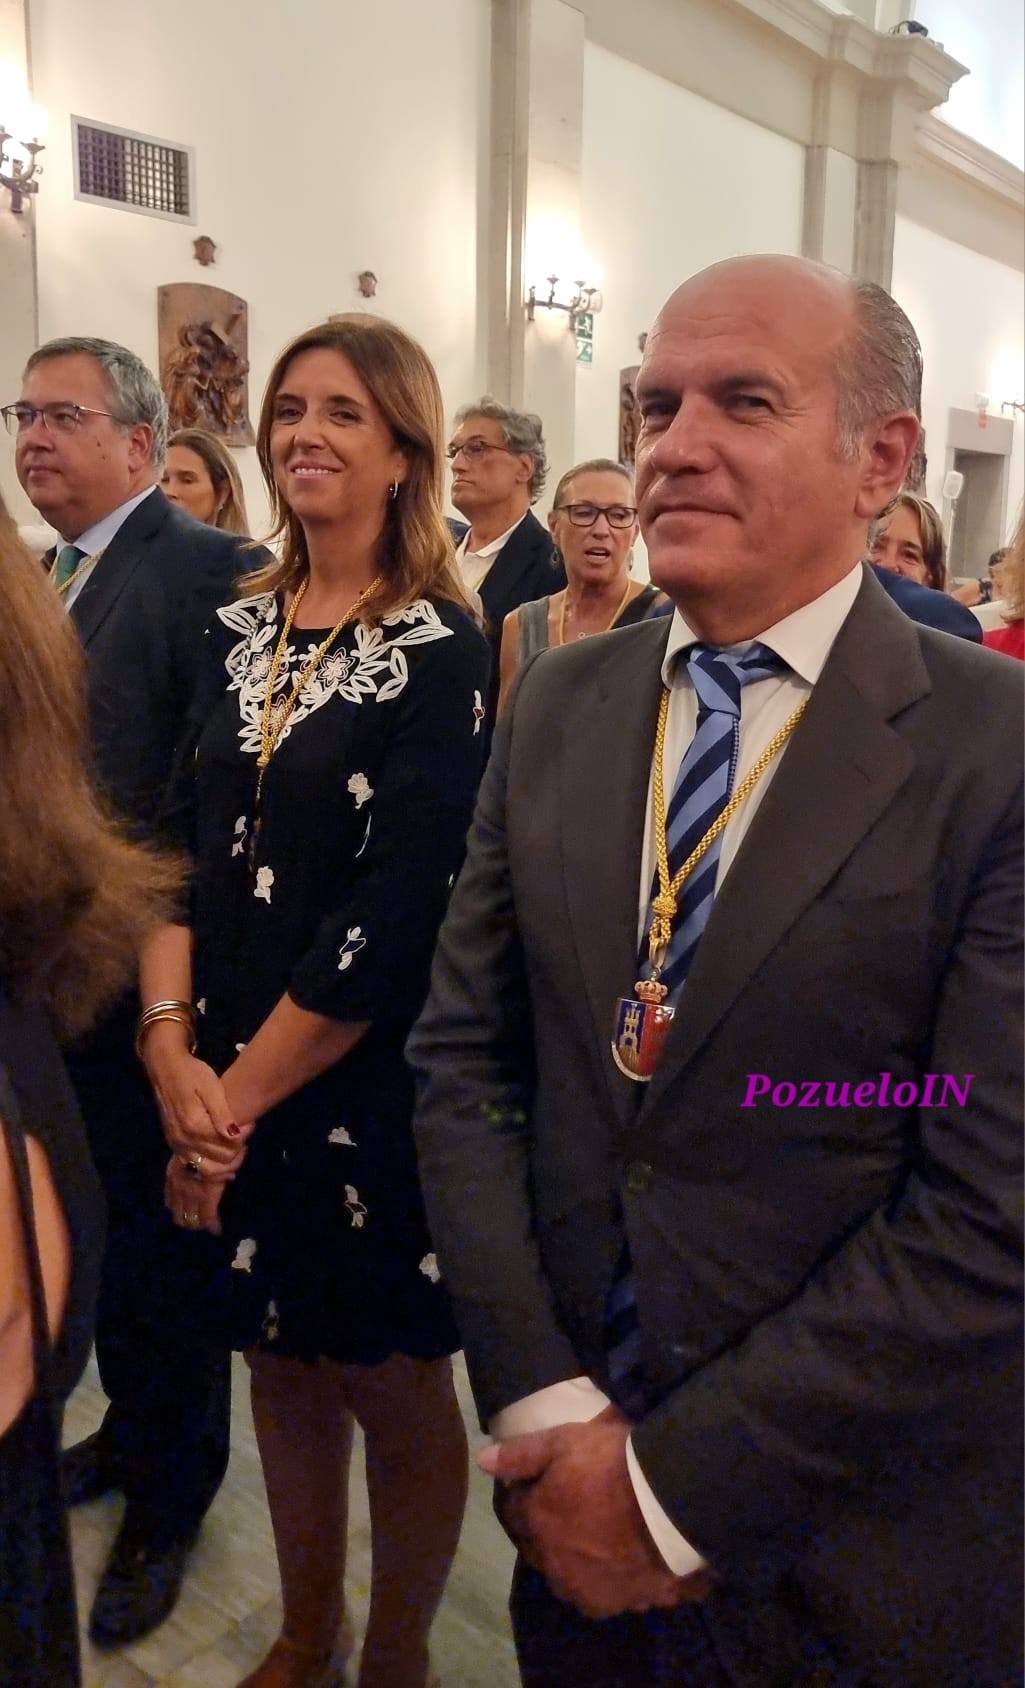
534, 620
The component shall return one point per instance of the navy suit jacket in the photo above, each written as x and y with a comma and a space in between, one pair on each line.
141, 616
930, 608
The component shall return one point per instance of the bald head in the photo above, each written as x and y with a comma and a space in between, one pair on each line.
777, 402
876, 352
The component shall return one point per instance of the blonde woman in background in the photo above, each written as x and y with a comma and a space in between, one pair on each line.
908, 539
593, 521
1010, 639
201, 476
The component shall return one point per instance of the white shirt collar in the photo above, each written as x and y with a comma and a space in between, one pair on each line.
494, 547
101, 533
803, 639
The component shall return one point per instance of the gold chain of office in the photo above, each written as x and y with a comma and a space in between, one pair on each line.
664, 904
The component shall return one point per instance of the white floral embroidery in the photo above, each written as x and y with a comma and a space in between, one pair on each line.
360, 788
478, 713
356, 1208
376, 667
240, 836
239, 1048
366, 839
340, 1135
264, 881
201, 1005
354, 942
243, 1261
270, 1322
430, 1268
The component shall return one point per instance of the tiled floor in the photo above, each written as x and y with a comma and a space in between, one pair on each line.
229, 1610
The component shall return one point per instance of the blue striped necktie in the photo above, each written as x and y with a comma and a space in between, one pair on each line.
703, 788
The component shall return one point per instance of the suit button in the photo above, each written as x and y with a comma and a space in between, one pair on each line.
639, 1177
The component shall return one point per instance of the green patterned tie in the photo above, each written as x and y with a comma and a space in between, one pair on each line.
68, 559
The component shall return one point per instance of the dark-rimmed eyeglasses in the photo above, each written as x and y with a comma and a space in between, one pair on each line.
473, 450
57, 418
585, 515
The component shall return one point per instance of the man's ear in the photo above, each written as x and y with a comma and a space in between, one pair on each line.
140, 445
525, 463
886, 452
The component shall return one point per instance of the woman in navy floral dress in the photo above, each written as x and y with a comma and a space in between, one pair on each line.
337, 752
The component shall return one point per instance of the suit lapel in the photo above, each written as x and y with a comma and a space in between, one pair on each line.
497, 592
606, 765
115, 568
841, 770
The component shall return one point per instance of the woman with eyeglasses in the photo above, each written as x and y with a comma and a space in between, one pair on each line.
593, 521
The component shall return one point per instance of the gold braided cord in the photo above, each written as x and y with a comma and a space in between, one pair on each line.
664, 905
274, 720
65, 586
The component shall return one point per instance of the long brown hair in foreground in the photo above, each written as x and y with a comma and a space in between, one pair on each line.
1012, 572
223, 471
417, 557
76, 896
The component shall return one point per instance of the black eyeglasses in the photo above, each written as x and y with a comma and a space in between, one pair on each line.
473, 450
57, 418
585, 515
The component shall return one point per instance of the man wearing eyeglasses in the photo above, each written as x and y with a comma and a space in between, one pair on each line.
499, 468
140, 580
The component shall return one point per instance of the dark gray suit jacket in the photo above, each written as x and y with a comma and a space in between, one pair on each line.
830, 1298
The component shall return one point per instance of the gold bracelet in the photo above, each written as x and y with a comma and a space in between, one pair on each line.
158, 1012
186, 1007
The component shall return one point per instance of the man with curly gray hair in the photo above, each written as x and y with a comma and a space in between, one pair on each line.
499, 467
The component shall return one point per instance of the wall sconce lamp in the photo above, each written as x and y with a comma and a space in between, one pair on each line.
19, 177
1015, 406
584, 299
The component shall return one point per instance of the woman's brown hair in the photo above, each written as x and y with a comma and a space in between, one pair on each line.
223, 471
76, 896
417, 557
930, 531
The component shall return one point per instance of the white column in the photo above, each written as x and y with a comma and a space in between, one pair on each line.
537, 114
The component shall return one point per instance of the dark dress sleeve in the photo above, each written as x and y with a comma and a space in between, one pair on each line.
371, 956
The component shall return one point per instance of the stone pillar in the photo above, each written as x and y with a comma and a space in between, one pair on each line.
537, 114
17, 268
868, 97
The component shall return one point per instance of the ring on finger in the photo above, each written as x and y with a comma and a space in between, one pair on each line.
190, 1219
193, 1165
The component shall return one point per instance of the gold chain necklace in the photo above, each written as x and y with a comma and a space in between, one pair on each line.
87, 562
620, 608
642, 1021
274, 718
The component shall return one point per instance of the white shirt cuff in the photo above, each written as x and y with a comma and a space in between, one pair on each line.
573, 1401
677, 1552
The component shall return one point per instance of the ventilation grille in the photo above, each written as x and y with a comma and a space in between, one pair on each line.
135, 172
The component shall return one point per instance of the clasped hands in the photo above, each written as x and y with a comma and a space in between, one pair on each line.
567, 1502
208, 1143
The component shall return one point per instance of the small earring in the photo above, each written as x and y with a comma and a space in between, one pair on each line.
393, 490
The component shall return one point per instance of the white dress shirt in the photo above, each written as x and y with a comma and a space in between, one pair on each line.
96, 539
474, 565
804, 641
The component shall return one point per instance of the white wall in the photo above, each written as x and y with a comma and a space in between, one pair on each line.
670, 184
309, 168
970, 317
989, 37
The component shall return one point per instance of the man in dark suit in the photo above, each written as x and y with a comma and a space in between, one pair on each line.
931, 608
747, 1332
499, 468
140, 580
